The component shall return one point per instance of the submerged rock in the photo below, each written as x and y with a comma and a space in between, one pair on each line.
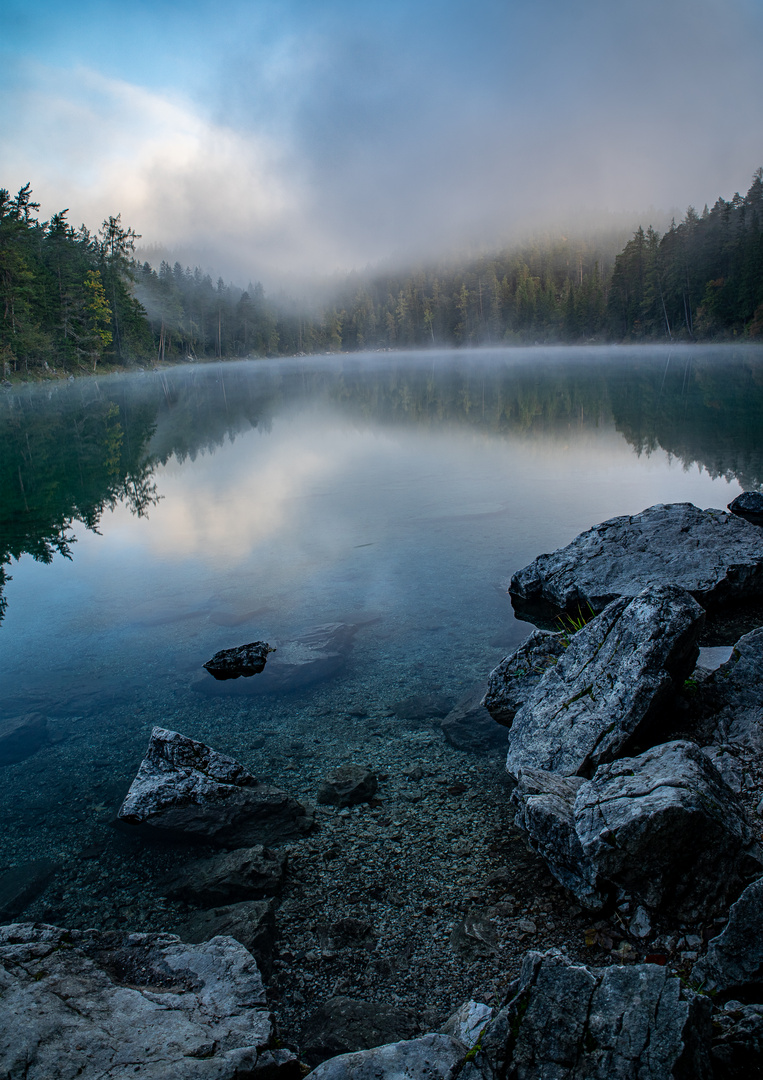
347, 786
244, 660
609, 685
748, 505
244, 874
469, 726
22, 736
714, 555
569, 1021
185, 789
19, 885
251, 922
432, 1057
510, 684
86, 1004
344, 1025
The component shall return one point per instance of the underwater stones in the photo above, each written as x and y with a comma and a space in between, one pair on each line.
19, 885
22, 736
614, 1023
431, 1057
510, 684
87, 1004
244, 874
185, 789
347, 786
714, 555
609, 685
733, 963
317, 654
666, 829
251, 922
344, 1025
748, 505
469, 726
244, 660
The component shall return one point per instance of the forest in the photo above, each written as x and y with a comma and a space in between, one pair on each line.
71, 300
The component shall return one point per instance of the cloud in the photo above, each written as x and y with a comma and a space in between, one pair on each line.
340, 135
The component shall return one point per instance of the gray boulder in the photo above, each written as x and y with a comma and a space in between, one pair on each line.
737, 1051
244, 874
251, 922
730, 699
665, 828
545, 805
347, 786
468, 1022
733, 962
344, 1025
609, 686
187, 790
88, 1005
244, 660
716, 556
748, 505
614, 1023
22, 736
469, 726
432, 1057
511, 683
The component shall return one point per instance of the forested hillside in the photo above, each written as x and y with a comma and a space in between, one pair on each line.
70, 300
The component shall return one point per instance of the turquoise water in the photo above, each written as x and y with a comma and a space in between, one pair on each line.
213, 505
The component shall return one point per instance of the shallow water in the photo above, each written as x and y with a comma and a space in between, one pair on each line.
208, 506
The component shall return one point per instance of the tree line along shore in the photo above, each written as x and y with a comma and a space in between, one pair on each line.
71, 300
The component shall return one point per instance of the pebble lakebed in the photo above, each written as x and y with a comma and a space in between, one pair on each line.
443, 894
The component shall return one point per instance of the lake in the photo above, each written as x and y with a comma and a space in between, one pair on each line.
151, 519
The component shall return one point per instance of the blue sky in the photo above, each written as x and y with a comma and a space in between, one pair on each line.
265, 138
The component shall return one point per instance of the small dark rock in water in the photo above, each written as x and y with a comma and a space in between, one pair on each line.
20, 885
347, 785
244, 874
469, 726
22, 736
748, 505
244, 660
421, 707
343, 1025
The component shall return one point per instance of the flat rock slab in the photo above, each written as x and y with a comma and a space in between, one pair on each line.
432, 1057
609, 686
244, 874
571, 1022
243, 660
511, 683
665, 827
88, 1005
733, 963
22, 736
716, 556
185, 789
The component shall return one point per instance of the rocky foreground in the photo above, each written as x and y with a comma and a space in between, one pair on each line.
634, 774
